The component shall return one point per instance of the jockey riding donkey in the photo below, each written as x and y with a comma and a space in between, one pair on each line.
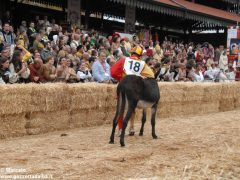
132, 65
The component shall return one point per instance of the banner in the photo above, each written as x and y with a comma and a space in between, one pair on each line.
234, 46
74, 12
232, 34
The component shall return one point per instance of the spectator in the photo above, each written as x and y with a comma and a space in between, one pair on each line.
71, 73
190, 54
101, 69
237, 77
46, 52
26, 55
223, 61
7, 35
158, 53
62, 70
44, 37
4, 71
85, 58
18, 69
83, 74
49, 70
231, 74
53, 33
31, 32
36, 71
210, 61
182, 74
198, 75
37, 44
76, 41
22, 38
164, 73
123, 49
6, 52
23, 26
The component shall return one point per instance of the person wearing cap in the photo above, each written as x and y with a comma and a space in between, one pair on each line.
131, 65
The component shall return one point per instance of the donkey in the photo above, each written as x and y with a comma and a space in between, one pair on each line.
138, 92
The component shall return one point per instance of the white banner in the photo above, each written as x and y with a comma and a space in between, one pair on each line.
232, 34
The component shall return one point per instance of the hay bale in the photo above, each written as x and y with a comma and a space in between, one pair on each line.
237, 98
227, 104
210, 107
49, 97
57, 97
111, 100
228, 90
109, 115
228, 96
192, 92
168, 109
12, 125
40, 122
87, 96
88, 118
171, 92
15, 98
79, 118
212, 92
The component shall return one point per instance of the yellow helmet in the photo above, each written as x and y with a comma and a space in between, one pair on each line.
137, 50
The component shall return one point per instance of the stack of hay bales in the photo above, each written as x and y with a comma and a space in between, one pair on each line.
14, 101
229, 96
237, 95
181, 99
91, 104
48, 108
40, 108
171, 95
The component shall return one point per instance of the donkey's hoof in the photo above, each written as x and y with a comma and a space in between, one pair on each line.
155, 137
141, 134
122, 144
131, 132
111, 142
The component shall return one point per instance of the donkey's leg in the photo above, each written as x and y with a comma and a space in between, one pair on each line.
119, 111
143, 122
131, 129
130, 110
154, 110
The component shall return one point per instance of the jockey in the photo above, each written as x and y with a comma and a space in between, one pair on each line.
132, 65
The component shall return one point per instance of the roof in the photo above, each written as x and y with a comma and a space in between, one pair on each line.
167, 2
209, 10
185, 9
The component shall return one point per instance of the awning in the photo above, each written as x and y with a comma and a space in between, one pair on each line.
231, 1
53, 4
209, 14
185, 9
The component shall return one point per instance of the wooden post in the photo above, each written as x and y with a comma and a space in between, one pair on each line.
130, 18
74, 12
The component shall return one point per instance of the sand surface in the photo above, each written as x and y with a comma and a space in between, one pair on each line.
200, 147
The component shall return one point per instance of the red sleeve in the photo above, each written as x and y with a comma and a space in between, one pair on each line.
117, 69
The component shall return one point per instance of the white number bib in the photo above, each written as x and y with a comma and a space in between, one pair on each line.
133, 67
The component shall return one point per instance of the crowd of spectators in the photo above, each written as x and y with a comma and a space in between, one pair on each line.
42, 51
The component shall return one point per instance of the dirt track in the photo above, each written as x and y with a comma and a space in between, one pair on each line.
200, 147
